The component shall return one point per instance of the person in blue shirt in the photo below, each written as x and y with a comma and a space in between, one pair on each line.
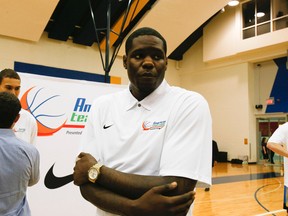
19, 161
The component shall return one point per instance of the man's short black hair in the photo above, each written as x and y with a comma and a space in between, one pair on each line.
141, 32
10, 106
8, 73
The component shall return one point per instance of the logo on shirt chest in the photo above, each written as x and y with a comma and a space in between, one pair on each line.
147, 125
107, 126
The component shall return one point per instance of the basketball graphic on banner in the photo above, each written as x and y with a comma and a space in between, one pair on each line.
47, 107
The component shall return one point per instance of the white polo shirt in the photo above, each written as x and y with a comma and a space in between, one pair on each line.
168, 133
280, 136
26, 127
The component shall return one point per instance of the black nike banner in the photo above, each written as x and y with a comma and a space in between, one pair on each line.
52, 182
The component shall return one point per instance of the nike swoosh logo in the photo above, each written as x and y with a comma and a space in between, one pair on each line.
52, 182
108, 126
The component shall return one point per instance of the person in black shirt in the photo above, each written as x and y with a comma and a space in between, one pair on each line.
215, 153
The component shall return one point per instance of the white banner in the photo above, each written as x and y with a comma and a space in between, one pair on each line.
60, 106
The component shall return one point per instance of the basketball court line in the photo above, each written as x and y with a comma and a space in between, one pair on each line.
272, 212
234, 194
249, 177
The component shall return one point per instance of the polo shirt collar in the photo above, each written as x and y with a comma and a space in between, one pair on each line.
151, 100
7, 132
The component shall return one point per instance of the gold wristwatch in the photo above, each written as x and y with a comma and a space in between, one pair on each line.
94, 172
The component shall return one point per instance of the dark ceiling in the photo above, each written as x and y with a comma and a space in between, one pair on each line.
72, 19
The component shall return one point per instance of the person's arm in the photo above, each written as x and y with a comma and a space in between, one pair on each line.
34, 160
129, 185
264, 149
277, 148
123, 193
278, 141
152, 203
134, 186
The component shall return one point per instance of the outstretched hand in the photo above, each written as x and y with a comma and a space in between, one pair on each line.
154, 203
83, 162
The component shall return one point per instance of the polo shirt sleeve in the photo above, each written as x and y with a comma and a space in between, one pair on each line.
187, 150
280, 135
89, 138
34, 131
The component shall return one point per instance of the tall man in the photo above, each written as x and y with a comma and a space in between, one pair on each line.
19, 161
149, 144
26, 126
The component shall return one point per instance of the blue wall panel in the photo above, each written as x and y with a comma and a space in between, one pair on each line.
280, 88
58, 72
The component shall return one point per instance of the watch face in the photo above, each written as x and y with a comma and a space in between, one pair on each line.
93, 173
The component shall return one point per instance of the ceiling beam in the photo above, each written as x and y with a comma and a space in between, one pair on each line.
25, 19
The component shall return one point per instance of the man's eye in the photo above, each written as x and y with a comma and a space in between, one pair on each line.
156, 57
138, 56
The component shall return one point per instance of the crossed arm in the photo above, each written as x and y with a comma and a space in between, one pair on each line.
278, 148
130, 194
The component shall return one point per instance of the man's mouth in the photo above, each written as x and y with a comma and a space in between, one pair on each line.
147, 74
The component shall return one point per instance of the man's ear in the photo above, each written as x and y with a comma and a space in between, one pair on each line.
125, 61
166, 63
17, 118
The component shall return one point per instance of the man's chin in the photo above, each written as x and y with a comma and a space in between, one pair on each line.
147, 88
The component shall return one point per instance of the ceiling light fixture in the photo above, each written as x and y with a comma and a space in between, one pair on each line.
260, 14
233, 3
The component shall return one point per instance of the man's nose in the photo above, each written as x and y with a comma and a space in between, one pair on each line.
148, 62
13, 91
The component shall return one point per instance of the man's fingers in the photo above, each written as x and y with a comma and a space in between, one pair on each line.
182, 209
82, 154
186, 198
193, 194
164, 188
77, 159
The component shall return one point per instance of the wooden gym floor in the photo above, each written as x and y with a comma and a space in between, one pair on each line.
242, 190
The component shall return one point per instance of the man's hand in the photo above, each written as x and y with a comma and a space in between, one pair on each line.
153, 202
83, 162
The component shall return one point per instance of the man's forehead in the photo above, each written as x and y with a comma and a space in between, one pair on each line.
145, 41
147, 38
11, 82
